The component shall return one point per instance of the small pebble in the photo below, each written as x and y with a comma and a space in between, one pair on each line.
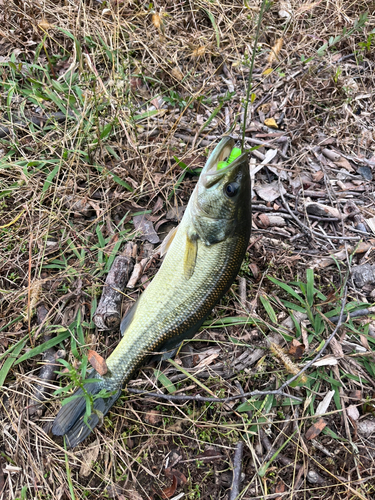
314, 478
365, 172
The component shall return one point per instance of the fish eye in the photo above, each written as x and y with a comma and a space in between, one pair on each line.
231, 189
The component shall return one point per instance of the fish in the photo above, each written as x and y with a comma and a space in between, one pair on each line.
202, 258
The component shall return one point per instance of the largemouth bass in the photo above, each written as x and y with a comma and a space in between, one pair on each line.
203, 257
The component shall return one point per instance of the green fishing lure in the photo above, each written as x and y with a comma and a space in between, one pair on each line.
235, 153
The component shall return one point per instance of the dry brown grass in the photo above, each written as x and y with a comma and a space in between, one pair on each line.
69, 191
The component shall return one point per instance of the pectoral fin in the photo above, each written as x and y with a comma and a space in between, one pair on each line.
190, 257
167, 241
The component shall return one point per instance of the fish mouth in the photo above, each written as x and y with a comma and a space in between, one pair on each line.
211, 174
221, 153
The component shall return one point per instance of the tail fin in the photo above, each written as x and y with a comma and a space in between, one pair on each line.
69, 421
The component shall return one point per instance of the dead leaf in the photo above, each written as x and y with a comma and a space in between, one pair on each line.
336, 349
315, 429
208, 360
280, 488
285, 9
318, 176
364, 342
326, 361
305, 338
255, 270
324, 404
269, 156
271, 122
132, 495
157, 21
357, 395
199, 52
141, 223
89, 458
275, 51
45, 25
270, 192
366, 427
321, 210
296, 349
181, 478
167, 492
371, 223
158, 205
344, 163
153, 417
308, 6
352, 412
157, 102
176, 213
263, 221
267, 71
97, 362
135, 83
176, 73
362, 247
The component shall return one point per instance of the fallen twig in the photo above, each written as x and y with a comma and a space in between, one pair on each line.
354, 314
308, 229
237, 468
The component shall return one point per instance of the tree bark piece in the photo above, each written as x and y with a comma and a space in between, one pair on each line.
108, 312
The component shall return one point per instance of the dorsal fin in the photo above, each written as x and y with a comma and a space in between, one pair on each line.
190, 257
128, 318
167, 241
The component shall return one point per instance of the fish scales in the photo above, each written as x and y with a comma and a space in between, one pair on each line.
160, 317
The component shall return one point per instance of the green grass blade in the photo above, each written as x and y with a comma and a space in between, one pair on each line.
214, 25
115, 177
164, 380
268, 307
43, 347
50, 178
190, 376
263, 469
111, 258
8, 363
212, 116
287, 288
310, 286
146, 114
233, 320
101, 239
